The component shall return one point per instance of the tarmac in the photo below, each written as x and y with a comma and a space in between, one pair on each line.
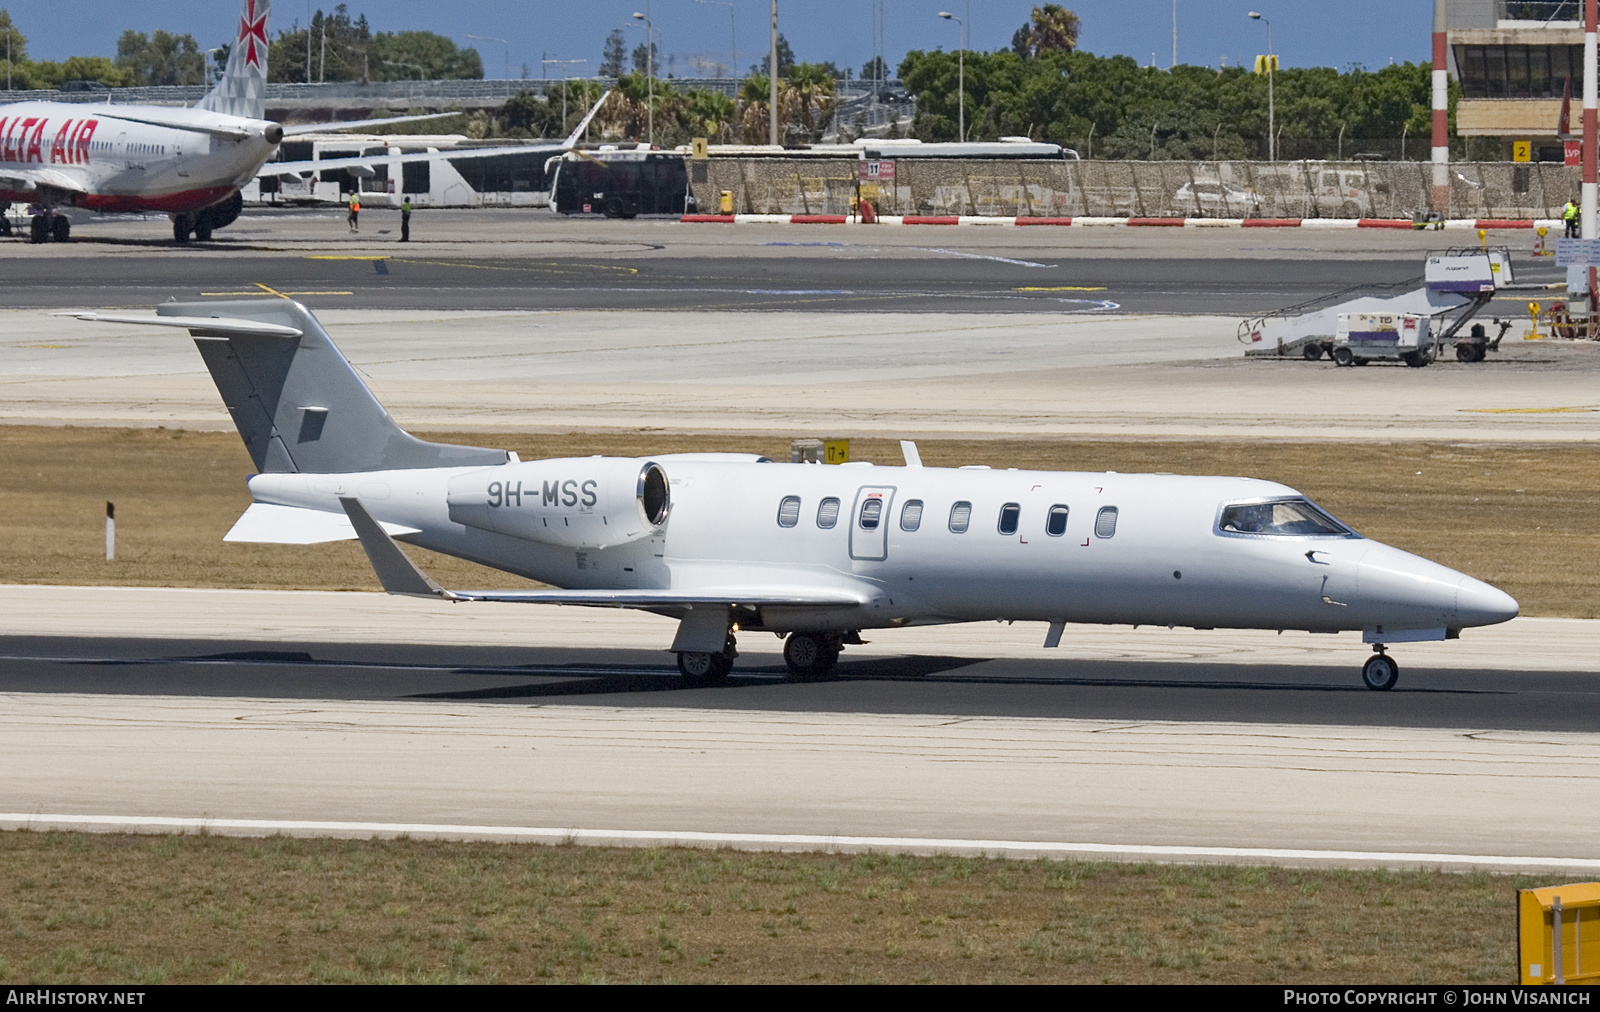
455, 720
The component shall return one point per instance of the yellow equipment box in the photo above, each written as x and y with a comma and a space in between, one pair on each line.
1558, 934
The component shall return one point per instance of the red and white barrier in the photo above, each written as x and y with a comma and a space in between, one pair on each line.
1469, 224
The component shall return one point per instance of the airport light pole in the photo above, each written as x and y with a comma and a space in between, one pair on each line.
1272, 137
1441, 112
961, 73
503, 42
733, 36
649, 71
772, 78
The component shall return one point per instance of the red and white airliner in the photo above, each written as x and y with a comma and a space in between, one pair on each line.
187, 163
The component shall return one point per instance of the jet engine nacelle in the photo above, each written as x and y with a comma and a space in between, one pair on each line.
574, 502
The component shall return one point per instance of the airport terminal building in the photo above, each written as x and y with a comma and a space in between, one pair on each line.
1514, 59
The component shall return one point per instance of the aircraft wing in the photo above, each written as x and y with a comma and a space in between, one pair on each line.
29, 180
399, 575
367, 161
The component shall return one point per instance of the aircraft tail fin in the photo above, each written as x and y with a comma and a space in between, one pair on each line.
243, 88
296, 401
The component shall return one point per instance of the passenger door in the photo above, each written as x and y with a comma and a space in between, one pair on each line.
869, 523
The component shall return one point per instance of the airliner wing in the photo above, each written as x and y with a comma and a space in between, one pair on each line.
399, 575
367, 161
29, 180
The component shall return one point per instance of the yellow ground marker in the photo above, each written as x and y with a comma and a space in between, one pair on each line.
1533, 411
265, 290
1060, 288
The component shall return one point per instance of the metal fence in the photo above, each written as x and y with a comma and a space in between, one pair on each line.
1311, 189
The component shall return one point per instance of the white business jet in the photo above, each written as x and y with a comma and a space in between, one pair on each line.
186, 163
729, 543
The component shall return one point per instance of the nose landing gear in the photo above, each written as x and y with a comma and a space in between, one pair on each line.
1380, 672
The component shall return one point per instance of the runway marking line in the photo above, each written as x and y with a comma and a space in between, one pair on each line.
772, 842
484, 267
1576, 409
330, 257
1061, 288
273, 292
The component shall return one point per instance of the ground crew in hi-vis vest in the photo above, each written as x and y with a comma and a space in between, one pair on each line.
355, 210
405, 220
1572, 214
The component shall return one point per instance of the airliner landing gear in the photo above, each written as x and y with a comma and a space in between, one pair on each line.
182, 227
811, 655
708, 669
49, 225
1380, 672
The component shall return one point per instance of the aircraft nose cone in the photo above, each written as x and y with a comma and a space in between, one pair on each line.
1477, 603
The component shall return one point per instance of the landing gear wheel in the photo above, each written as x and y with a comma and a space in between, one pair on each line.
810, 656
39, 229
1380, 672
182, 225
60, 228
1343, 357
5, 224
703, 669
1313, 352
202, 233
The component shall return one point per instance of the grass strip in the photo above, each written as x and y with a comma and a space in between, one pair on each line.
108, 908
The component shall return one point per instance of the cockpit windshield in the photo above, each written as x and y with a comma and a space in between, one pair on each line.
1281, 518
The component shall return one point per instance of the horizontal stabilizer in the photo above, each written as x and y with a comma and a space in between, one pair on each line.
206, 325
271, 524
300, 129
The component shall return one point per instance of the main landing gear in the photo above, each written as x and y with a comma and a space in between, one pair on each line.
811, 656
699, 668
1380, 672
47, 226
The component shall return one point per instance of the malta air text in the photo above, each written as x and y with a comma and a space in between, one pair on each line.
22, 139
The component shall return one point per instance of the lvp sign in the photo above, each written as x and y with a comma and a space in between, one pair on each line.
878, 171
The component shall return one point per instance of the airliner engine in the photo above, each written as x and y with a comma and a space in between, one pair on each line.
574, 502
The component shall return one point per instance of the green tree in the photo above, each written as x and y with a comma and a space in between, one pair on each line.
785, 59
13, 50
46, 74
875, 70
439, 56
614, 54
160, 58
642, 58
1052, 28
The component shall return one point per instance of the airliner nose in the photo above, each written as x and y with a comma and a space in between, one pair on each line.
1477, 603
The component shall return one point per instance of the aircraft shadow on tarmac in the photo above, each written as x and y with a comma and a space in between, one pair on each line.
1117, 689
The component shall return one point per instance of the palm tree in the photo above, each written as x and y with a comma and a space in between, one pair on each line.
1053, 28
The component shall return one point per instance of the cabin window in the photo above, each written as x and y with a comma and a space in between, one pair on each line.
1009, 514
1105, 522
871, 514
911, 515
789, 511
828, 513
1055, 524
960, 517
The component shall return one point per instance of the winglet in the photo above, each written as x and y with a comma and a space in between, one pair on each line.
398, 574
572, 138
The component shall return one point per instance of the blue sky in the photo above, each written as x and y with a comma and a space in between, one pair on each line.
1369, 32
